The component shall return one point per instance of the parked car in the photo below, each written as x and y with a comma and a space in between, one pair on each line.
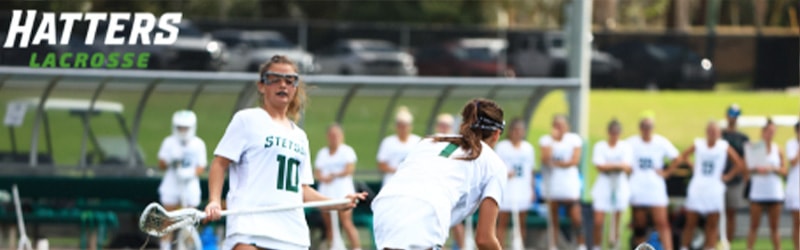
193, 50
545, 54
247, 50
365, 57
464, 57
662, 66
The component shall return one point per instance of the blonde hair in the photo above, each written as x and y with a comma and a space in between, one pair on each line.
404, 115
299, 100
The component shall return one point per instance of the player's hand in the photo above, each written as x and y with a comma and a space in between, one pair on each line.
213, 211
354, 198
726, 178
762, 170
662, 173
511, 174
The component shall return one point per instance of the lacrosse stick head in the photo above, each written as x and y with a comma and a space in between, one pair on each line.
644, 246
156, 221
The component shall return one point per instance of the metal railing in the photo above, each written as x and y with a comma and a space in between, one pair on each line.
530, 92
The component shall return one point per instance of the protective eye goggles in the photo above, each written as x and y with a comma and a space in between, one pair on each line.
270, 77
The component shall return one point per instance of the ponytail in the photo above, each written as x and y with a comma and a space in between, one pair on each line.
480, 118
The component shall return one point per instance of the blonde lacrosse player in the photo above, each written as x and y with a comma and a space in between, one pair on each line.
443, 180
648, 187
706, 191
394, 148
183, 158
561, 153
269, 164
519, 158
335, 165
766, 191
793, 184
610, 193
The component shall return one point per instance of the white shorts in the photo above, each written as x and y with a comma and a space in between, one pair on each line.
705, 198
648, 191
563, 186
188, 198
521, 200
601, 199
407, 223
258, 241
793, 202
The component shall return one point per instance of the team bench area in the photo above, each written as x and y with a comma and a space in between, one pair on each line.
98, 206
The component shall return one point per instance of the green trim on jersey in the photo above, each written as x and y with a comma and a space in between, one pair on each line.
447, 151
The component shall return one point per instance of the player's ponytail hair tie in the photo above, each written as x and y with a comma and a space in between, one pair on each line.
485, 123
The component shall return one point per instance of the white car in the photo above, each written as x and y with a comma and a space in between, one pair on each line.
247, 50
365, 57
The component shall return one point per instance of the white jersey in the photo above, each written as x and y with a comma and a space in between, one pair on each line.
767, 187
180, 179
563, 183
647, 187
327, 164
270, 164
520, 162
706, 190
433, 175
611, 191
392, 151
793, 179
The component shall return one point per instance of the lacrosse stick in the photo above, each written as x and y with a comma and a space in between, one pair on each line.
156, 221
516, 241
613, 233
469, 234
724, 244
24, 242
644, 246
551, 237
336, 243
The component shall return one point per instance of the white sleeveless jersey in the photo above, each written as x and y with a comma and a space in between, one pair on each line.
767, 187
793, 179
647, 187
611, 191
519, 161
709, 165
271, 163
328, 164
563, 183
433, 173
182, 163
392, 151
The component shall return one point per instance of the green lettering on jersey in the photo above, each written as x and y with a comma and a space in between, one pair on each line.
447, 151
288, 174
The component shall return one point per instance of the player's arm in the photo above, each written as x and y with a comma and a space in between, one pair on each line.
348, 170
682, 158
576, 158
162, 164
547, 154
311, 194
216, 178
738, 165
796, 154
485, 235
782, 169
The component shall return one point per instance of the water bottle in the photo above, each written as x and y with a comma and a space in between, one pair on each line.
655, 241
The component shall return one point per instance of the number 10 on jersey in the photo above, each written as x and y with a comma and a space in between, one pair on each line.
288, 178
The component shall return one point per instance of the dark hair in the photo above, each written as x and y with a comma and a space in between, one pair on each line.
797, 126
769, 123
480, 118
516, 121
614, 123
299, 100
